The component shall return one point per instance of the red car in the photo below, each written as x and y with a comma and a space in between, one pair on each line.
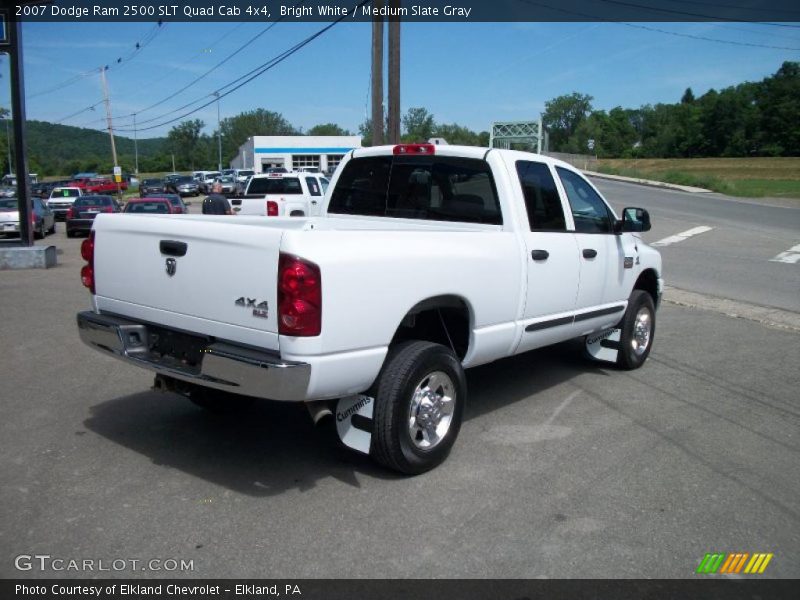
150, 206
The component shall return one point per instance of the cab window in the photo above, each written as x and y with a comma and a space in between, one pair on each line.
589, 212
542, 201
313, 186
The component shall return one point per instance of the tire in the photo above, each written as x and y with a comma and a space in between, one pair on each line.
70, 233
638, 331
39, 235
219, 403
399, 439
53, 228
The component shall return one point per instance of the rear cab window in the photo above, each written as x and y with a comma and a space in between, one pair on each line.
433, 188
275, 185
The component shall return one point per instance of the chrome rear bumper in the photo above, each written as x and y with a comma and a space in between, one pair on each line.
224, 366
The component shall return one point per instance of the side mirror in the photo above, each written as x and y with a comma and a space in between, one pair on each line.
635, 219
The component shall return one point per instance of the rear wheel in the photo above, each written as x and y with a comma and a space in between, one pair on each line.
53, 228
419, 403
638, 330
39, 235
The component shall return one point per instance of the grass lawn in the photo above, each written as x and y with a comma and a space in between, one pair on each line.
746, 177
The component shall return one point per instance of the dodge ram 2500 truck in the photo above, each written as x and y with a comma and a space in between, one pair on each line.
425, 261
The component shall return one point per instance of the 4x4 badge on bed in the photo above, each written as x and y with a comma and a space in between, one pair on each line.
260, 309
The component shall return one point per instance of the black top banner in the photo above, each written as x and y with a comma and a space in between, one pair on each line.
781, 11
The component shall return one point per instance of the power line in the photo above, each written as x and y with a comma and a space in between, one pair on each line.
270, 64
708, 39
696, 15
138, 47
686, 35
758, 9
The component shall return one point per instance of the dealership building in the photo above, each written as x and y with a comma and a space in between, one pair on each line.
323, 152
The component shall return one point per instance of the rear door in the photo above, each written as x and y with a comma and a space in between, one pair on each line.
552, 259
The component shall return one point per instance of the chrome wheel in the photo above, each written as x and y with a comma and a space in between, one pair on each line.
642, 330
431, 411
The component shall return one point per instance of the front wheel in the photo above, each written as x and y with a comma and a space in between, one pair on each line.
638, 330
419, 403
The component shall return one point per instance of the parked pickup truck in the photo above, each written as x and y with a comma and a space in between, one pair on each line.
282, 195
98, 185
425, 261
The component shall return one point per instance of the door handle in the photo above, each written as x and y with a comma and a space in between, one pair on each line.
172, 248
589, 253
540, 254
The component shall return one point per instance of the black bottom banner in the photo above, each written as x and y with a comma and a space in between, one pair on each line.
412, 589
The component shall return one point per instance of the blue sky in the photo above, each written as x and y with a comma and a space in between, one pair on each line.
468, 73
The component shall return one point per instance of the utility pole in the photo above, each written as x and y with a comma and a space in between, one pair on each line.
219, 136
173, 163
110, 127
377, 76
135, 147
394, 75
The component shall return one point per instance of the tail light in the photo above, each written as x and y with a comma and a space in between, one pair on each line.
70, 213
108, 209
299, 297
87, 253
272, 208
414, 149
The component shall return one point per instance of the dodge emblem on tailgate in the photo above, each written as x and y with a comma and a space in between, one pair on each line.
172, 266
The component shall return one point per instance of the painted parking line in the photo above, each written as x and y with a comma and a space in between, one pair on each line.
679, 237
791, 256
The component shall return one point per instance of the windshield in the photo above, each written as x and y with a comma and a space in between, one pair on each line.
246, 173
66, 192
184, 179
152, 182
275, 185
9, 204
226, 179
148, 207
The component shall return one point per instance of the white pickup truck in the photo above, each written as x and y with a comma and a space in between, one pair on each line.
427, 260
282, 195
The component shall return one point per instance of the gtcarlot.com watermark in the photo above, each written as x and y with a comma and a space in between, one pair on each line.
46, 562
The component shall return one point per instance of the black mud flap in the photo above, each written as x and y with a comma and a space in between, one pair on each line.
354, 422
604, 346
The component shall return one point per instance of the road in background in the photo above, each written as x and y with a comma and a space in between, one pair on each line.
733, 259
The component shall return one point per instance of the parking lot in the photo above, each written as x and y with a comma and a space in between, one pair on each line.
562, 469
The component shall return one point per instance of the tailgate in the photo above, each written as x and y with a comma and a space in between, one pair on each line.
208, 276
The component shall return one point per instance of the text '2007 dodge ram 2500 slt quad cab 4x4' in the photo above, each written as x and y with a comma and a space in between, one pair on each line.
426, 260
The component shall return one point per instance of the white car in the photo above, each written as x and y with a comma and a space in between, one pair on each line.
426, 261
42, 219
61, 200
282, 195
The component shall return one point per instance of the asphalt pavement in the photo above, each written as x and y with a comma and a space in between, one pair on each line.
563, 468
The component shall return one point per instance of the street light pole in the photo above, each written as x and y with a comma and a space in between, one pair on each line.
219, 135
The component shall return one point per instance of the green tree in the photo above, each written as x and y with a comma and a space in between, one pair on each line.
236, 130
183, 141
418, 125
327, 129
562, 116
